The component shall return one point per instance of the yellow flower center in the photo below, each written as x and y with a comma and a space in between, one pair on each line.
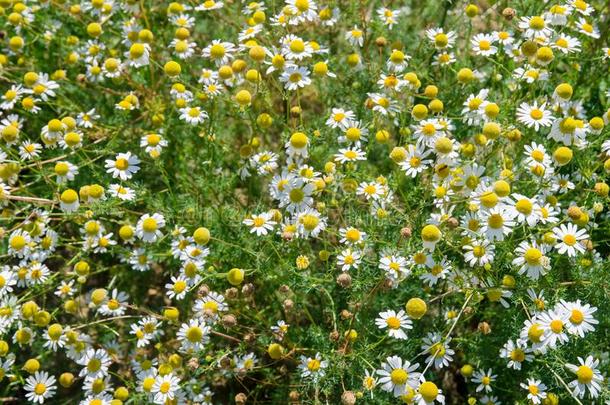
194, 334
164, 388
495, 221
149, 225
40, 389
441, 40
429, 391
517, 355
121, 164
296, 195
569, 240
17, 242
352, 235
211, 306
537, 23
524, 206
536, 114
297, 46
393, 322
577, 317
217, 51
313, 365
556, 326
94, 365
584, 374
532, 256
399, 376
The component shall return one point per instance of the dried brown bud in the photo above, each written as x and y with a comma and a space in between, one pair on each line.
344, 280
284, 289
203, 290
334, 336
468, 310
348, 398
240, 399
293, 396
249, 338
574, 212
345, 314
588, 244
452, 222
247, 289
288, 305
287, 235
193, 363
295, 111
406, 232
225, 362
484, 328
231, 293
509, 13
381, 42
228, 321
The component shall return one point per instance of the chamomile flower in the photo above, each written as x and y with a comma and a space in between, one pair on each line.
303, 10
295, 77
395, 323
164, 388
588, 377
124, 166
531, 259
438, 350
352, 236
340, 118
260, 224
193, 115
193, 335
484, 379
553, 323
122, 192
397, 375
416, 160
440, 38
65, 171
355, 37
483, 44
115, 304
479, 252
310, 222
7, 280
95, 363
294, 48
587, 28
569, 239
349, 259
534, 116
220, 52
149, 227
313, 367
497, 223
516, 352
352, 154
580, 318
535, 27
40, 387
536, 390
